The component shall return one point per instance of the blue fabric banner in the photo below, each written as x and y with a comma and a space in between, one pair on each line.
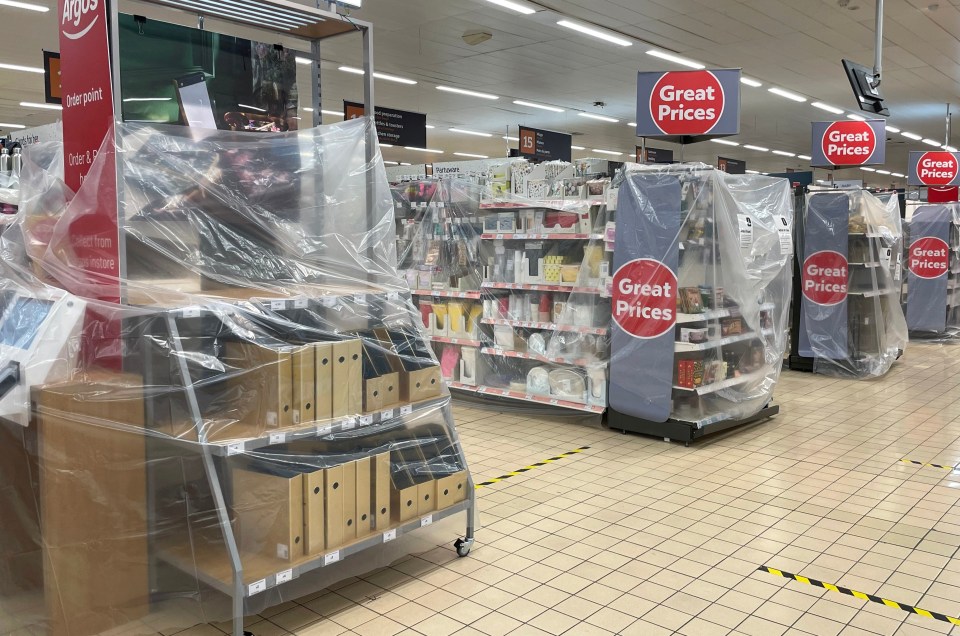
825, 277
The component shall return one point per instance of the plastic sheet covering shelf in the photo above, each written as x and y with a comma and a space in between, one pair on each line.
931, 296
259, 419
851, 273
701, 286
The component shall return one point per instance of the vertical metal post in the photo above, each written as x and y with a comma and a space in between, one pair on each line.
643, 150
946, 141
370, 143
113, 33
878, 52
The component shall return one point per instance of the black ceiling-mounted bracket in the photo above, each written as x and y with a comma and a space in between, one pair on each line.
878, 52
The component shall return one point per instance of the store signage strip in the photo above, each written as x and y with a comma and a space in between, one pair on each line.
928, 263
545, 145
394, 127
937, 168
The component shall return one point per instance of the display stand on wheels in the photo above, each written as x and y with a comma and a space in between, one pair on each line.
848, 318
701, 285
219, 396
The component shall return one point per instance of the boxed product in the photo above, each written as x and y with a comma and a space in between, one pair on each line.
693, 336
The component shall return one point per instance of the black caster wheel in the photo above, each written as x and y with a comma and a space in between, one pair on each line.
463, 546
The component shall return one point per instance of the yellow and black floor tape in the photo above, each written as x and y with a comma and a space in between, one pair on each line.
940, 466
866, 597
526, 469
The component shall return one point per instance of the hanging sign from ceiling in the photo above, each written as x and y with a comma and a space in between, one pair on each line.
848, 143
688, 106
731, 166
937, 168
545, 145
394, 127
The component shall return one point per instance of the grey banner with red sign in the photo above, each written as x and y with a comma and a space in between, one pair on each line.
644, 301
928, 262
688, 105
937, 168
825, 277
848, 143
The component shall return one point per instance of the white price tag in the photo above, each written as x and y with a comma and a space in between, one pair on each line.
234, 449
284, 577
360, 299
256, 588
785, 232
499, 237
301, 303
348, 425
393, 295
746, 231
386, 415
389, 535
333, 557
324, 429
554, 402
277, 438
329, 301
277, 305
406, 410
192, 312
426, 521
366, 420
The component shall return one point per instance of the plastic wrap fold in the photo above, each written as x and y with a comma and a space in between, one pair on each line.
259, 414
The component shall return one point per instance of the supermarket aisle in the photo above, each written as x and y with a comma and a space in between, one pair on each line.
635, 536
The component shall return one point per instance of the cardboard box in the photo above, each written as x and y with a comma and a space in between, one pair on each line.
349, 519
304, 384
354, 377
266, 378
314, 527
333, 511
382, 486
341, 378
268, 504
364, 489
323, 376
451, 490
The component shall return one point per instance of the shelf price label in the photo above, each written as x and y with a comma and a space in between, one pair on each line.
426, 521
331, 558
366, 420
257, 587
389, 535
301, 303
277, 438
406, 410
348, 424
277, 305
393, 295
386, 415
284, 577
234, 449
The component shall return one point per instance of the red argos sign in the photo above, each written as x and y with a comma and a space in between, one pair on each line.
848, 143
935, 168
929, 257
688, 105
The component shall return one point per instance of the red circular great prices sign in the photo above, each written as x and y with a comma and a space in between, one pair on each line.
687, 102
929, 257
849, 143
937, 168
645, 298
825, 277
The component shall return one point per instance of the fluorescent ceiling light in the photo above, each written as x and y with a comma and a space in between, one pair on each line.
552, 109
25, 69
513, 6
404, 163
599, 117
632, 124
752, 172
429, 126
247, 11
147, 99
805, 157
676, 59
758, 148
577, 148
391, 163
931, 142
869, 169
303, 60
725, 142
461, 91
603, 35
856, 117
18, 126
950, 149
436, 152
751, 82
259, 110
785, 93
44, 106
336, 113
383, 76
471, 155
898, 175
828, 108
384, 145
509, 138
883, 172
607, 152
910, 135
470, 132
24, 5
892, 129
784, 153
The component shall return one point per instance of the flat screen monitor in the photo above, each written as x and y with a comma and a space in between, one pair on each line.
868, 96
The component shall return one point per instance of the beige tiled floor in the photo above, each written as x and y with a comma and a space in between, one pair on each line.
640, 537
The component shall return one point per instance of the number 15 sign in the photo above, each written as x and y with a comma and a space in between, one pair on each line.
545, 145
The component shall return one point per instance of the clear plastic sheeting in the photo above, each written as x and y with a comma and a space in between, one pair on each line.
258, 419
851, 264
932, 282
701, 287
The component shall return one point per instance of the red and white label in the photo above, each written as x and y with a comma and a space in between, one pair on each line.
645, 298
849, 143
687, 102
937, 168
826, 277
929, 257
950, 194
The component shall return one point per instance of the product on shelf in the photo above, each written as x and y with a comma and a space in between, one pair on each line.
699, 306
851, 322
278, 399
931, 297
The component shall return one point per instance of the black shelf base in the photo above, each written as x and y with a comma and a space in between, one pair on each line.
799, 363
675, 430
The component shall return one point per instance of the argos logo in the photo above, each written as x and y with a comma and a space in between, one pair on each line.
79, 17
849, 143
687, 102
937, 168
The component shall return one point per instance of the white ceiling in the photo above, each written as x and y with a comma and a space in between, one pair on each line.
531, 58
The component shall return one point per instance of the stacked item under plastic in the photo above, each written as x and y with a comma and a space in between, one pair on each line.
851, 273
932, 283
701, 286
259, 416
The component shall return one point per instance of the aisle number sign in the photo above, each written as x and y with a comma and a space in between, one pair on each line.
545, 145
937, 168
848, 143
688, 104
